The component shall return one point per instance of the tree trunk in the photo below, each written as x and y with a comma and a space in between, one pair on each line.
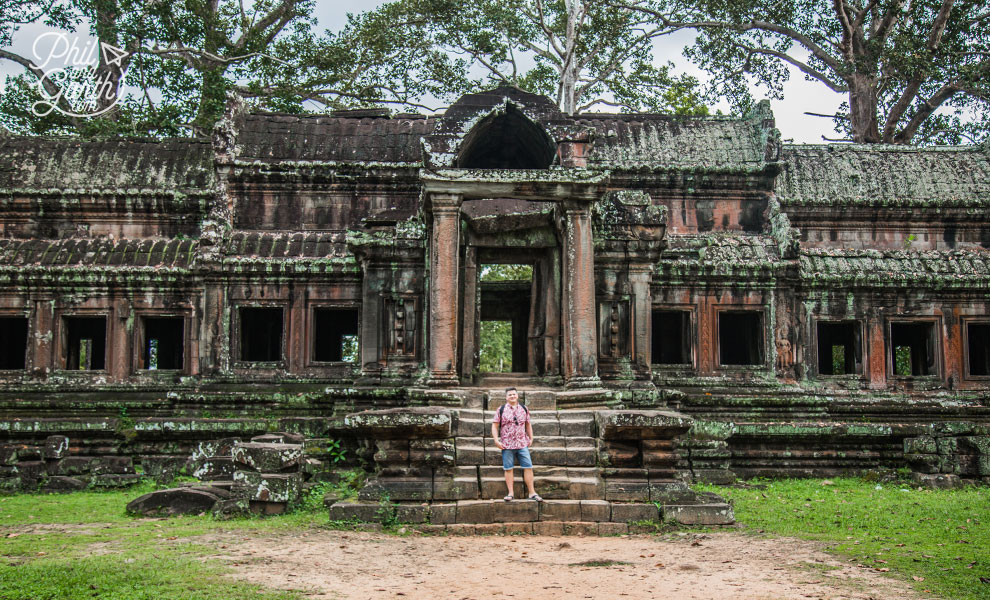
569, 70
863, 109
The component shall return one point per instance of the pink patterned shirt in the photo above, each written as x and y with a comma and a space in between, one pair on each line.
512, 428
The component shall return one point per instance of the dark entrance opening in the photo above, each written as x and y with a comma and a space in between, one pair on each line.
163, 343
261, 334
913, 347
505, 310
335, 334
671, 339
13, 342
507, 141
839, 348
740, 338
85, 343
978, 338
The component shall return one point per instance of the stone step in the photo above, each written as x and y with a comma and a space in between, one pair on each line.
473, 423
552, 450
560, 483
532, 399
482, 512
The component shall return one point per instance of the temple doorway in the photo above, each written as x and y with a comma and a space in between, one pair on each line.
505, 318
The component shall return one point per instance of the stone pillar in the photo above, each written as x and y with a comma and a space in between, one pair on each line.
470, 312
444, 288
580, 350
639, 283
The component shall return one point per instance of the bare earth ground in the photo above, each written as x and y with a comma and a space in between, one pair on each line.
364, 565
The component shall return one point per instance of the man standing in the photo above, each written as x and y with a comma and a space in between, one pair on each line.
512, 422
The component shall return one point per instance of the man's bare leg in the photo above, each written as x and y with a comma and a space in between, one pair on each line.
528, 478
509, 480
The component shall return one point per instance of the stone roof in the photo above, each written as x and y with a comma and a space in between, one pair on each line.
62, 163
98, 252
884, 175
270, 137
884, 268
317, 244
632, 142
720, 255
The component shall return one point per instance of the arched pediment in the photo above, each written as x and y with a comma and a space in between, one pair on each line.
504, 128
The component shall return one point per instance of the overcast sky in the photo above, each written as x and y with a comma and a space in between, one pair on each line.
800, 96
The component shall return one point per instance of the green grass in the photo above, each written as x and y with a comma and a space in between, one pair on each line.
83, 545
937, 540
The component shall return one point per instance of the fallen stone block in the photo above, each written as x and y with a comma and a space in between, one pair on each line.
211, 448
215, 468
267, 458
175, 501
940, 481
162, 468
279, 437
112, 465
71, 466
398, 423
56, 446
270, 487
262, 507
699, 514
228, 508
59, 485
114, 480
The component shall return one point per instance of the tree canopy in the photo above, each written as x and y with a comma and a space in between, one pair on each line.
913, 71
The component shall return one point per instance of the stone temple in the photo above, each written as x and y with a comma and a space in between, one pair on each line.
735, 305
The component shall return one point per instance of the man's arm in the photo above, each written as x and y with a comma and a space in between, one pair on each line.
498, 442
529, 430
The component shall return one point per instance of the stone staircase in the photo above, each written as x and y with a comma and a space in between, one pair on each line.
596, 470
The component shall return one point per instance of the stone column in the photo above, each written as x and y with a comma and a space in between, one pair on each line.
444, 289
639, 283
580, 351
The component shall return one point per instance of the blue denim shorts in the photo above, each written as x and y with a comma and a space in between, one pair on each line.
510, 457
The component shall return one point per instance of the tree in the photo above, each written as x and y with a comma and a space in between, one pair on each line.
184, 57
913, 70
581, 52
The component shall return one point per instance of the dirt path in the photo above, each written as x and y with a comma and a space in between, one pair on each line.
363, 565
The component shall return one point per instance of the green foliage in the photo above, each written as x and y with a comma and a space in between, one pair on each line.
838, 360
582, 53
387, 512
495, 352
935, 540
185, 57
506, 272
902, 361
336, 452
913, 72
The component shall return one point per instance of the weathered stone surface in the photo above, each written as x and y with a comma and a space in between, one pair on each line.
517, 511
33, 469
112, 465
625, 490
398, 488
699, 514
8, 454
56, 446
215, 468
941, 481
410, 422
613, 528
673, 492
267, 457
270, 487
623, 512
560, 510
412, 513
551, 528
596, 510
114, 480
475, 511
640, 424
456, 488
355, 511
280, 437
211, 448
57, 484
175, 501
443, 513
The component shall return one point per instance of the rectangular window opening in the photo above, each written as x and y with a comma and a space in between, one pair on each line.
839, 348
85, 343
335, 335
163, 343
978, 342
261, 334
505, 317
671, 338
13, 343
740, 338
913, 346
